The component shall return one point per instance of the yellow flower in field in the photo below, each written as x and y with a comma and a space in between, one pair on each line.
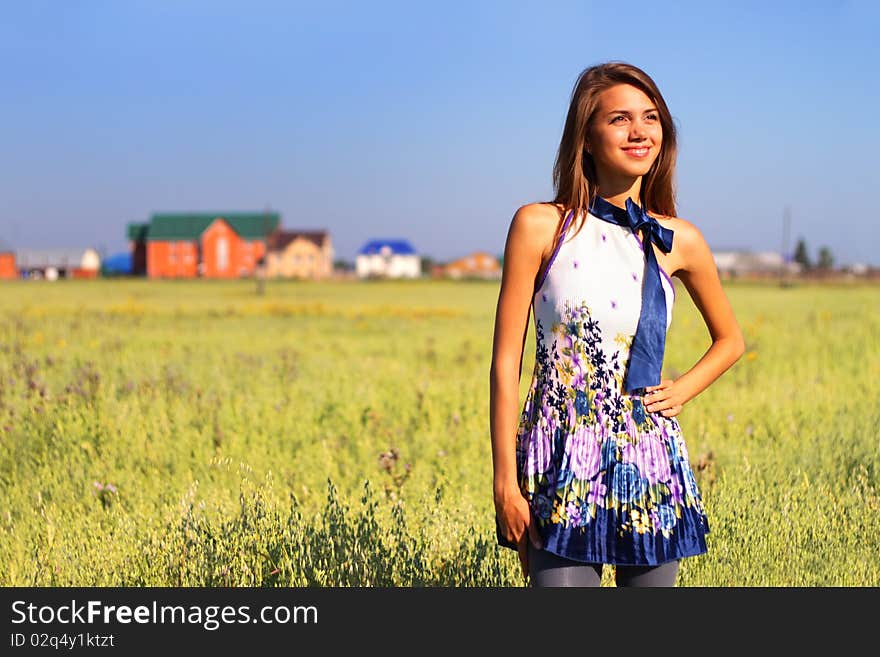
38, 337
61, 343
86, 446
751, 355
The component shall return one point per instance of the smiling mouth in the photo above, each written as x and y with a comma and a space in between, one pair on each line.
639, 151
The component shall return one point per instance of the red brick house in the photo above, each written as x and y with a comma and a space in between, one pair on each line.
7, 262
476, 265
208, 245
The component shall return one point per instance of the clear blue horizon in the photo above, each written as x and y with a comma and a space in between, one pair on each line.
426, 123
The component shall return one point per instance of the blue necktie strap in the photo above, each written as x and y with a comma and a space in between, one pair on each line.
649, 343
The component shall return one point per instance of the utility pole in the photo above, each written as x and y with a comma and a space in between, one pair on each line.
786, 256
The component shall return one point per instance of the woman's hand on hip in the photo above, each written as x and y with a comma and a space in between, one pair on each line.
665, 398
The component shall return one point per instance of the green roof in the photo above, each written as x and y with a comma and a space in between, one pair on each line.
137, 231
248, 225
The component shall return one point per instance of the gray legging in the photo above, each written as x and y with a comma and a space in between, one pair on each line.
548, 569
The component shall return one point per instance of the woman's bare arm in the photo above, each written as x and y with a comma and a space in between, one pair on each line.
700, 276
527, 238
530, 239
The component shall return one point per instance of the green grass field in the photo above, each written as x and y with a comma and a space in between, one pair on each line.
193, 433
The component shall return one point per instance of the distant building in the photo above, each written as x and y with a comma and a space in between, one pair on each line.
7, 262
476, 265
58, 263
748, 264
118, 264
299, 254
137, 246
207, 244
388, 259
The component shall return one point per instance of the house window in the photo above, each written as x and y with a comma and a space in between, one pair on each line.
222, 253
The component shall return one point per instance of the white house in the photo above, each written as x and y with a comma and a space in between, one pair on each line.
388, 259
735, 263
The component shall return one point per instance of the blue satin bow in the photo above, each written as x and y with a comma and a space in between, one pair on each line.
649, 343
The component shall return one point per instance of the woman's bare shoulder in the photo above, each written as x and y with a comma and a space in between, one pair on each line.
540, 212
538, 222
679, 226
687, 242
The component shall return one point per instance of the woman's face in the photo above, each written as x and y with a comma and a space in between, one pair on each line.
625, 135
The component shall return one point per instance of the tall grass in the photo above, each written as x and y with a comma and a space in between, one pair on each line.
188, 433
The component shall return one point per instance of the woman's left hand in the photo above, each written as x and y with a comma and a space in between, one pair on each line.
664, 398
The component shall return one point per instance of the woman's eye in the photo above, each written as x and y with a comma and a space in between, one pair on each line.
652, 116
617, 117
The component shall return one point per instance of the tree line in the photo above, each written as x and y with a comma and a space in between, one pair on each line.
824, 258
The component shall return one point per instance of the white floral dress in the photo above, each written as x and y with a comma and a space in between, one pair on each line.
607, 481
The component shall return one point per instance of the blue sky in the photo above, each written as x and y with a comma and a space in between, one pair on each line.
429, 122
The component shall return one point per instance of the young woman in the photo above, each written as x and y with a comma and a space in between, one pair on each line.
597, 470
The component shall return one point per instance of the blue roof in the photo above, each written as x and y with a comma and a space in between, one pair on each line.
120, 263
401, 247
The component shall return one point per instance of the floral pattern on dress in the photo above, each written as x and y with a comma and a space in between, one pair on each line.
588, 452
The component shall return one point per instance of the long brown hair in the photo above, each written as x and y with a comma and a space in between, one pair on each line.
574, 172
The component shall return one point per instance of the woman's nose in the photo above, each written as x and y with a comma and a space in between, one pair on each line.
638, 129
